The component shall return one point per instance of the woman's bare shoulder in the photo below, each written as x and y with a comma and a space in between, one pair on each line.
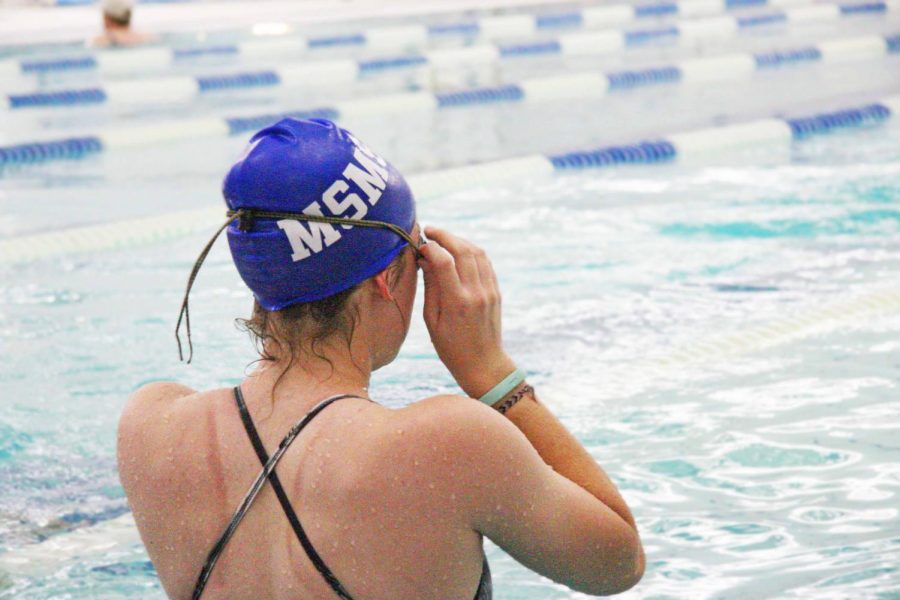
447, 413
457, 429
157, 415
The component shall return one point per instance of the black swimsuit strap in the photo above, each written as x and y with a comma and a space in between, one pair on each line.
268, 472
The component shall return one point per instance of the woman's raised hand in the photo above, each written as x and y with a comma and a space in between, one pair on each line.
462, 311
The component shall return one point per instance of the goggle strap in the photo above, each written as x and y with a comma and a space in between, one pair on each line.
245, 222
185, 313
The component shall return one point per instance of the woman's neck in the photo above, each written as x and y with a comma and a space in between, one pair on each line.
333, 368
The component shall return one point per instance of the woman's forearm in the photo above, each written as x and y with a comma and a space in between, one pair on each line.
564, 453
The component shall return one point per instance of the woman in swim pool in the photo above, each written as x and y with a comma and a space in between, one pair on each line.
366, 502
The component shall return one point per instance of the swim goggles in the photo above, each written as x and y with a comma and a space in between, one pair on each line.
244, 218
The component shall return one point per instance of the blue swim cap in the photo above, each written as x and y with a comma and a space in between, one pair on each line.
317, 168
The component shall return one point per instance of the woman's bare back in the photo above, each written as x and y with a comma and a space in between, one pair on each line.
375, 500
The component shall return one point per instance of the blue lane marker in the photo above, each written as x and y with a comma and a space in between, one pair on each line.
239, 81
639, 36
241, 124
188, 53
771, 60
383, 64
655, 10
643, 153
805, 127
63, 98
893, 43
628, 79
744, 3
551, 47
62, 64
69, 149
866, 7
337, 40
557, 21
757, 20
505, 93
468, 28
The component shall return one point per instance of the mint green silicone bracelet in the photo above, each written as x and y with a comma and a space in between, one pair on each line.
507, 385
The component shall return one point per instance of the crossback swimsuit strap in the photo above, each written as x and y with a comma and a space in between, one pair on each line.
268, 472
484, 591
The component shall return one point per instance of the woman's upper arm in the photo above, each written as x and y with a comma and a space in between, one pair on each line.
546, 522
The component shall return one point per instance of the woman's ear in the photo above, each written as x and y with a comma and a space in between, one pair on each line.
382, 288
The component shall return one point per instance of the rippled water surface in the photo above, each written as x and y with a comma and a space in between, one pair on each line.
725, 341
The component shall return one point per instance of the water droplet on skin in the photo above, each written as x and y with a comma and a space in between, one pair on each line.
453, 496
431, 486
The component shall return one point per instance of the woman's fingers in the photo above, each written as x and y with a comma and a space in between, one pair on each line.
464, 255
441, 280
487, 275
440, 265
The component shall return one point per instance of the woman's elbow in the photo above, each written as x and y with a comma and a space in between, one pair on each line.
621, 569
638, 563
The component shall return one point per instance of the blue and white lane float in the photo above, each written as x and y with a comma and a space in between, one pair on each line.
690, 147
570, 86
406, 37
581, 43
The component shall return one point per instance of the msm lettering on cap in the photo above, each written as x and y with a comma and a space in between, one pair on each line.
362, 182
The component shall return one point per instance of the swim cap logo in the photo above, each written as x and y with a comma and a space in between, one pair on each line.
368, 173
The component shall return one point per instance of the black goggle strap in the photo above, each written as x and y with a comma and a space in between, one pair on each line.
245, 217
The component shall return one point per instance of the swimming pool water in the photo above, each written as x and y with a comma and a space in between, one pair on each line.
722, 337
772, 471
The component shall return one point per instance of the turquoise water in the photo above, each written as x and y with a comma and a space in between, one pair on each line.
769, 471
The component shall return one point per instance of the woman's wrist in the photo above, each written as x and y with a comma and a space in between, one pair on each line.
511, 399
485, 376
503, 388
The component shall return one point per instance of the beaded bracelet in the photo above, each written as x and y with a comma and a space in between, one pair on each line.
511, 401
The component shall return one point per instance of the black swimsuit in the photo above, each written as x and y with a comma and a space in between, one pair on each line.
268, 472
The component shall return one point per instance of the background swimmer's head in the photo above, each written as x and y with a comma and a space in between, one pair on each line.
307, 277
117, 13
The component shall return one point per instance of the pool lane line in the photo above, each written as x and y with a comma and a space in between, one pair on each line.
405, 37
120, 533
574, 85
694, 146
175, 89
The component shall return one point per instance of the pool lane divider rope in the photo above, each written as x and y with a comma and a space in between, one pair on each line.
404, 37
569, 86
112, 537
688, 147
346, 71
